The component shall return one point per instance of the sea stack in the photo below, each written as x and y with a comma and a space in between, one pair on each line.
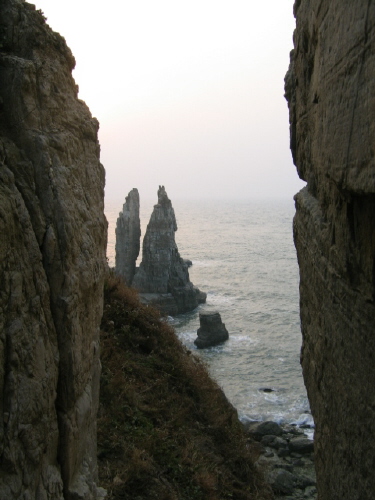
52, 266
163, 277
128, 234
212, 330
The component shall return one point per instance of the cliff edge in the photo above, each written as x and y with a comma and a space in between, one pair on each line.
330, 88
52, 264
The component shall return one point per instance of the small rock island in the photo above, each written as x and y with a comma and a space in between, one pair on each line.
212, 330
162, 278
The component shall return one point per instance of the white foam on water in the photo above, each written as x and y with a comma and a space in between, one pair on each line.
304, 419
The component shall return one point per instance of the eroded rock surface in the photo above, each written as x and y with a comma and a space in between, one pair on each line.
128, 237
52, 263
163, 276
330, 89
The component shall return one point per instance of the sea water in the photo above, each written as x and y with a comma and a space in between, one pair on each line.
244, 259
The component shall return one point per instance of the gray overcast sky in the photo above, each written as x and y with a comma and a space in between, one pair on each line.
188, 94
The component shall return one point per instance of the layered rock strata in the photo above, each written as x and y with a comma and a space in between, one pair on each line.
330, 88
128, 237
52, 264
212, 330
163, 277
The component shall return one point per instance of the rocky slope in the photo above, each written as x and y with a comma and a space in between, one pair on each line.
330, 89
52, 262
165, 430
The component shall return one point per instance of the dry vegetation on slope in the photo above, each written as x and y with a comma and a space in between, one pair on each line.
165, 429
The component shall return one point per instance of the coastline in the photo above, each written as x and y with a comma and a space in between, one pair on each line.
286, 458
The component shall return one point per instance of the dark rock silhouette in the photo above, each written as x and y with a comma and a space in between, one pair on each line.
162, 277
128, 234
330, 88
212, 330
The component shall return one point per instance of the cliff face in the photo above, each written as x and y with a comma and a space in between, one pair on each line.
52, 262
330, 89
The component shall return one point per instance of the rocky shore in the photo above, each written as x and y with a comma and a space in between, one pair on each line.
286, 457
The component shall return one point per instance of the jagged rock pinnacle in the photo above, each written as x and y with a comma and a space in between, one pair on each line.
162, 271
128, 234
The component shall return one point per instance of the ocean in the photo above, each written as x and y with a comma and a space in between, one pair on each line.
244, 259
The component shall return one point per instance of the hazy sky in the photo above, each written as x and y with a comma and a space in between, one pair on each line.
188, 94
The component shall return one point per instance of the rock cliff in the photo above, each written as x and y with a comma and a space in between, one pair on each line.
52, 263
163, 276
330, 87
128, 237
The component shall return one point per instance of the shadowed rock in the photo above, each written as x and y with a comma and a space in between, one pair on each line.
212, 330
128, 236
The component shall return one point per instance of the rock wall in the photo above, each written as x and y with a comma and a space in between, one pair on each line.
128, 237
52, 264
330, 87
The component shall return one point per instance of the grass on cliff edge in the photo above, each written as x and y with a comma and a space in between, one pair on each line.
165, 429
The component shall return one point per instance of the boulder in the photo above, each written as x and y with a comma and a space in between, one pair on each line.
302, 445
276, 442
212, 330
281, 481
260, 429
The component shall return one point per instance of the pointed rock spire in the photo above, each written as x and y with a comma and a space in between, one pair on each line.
162, 271
128, 235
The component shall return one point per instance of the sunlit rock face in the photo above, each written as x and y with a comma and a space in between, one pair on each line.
128, 234
163, 274
52, 264
330, 89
